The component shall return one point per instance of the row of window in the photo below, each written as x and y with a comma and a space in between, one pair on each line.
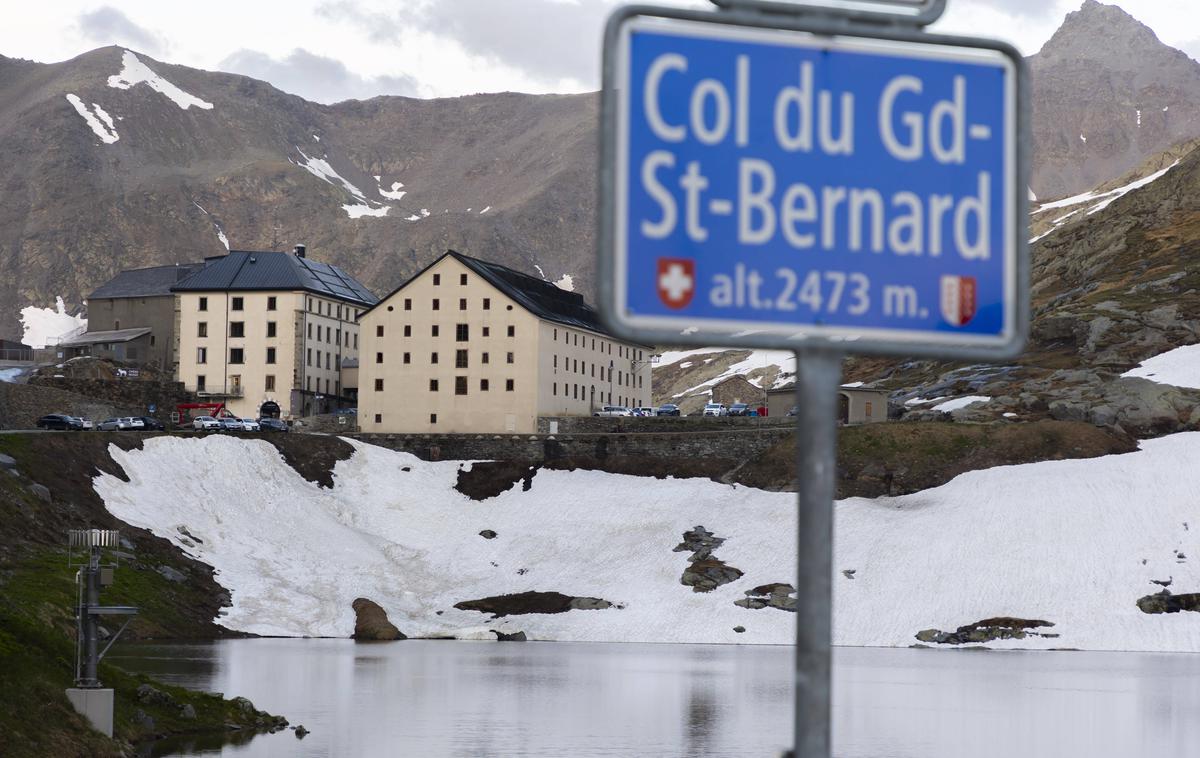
236, 329
236, 355
573, 364
461, 359
437, 279
580, 392
326, 308
235, 381
333, 337
460, 385
462, 332
575, 338
239, 303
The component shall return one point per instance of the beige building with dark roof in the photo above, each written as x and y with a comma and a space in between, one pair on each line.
468, 346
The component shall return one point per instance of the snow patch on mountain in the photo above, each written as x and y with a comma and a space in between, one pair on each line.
1179, 367
1072, 542
358, 211
48, 326
320, 168
485, 210
960, 402
784, 359
101, 125
395, 193
134, 72
566, 282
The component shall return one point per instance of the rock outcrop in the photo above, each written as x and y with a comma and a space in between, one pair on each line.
371, 622
705, 572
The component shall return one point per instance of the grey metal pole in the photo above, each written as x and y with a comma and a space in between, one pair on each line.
90, 632
818, 376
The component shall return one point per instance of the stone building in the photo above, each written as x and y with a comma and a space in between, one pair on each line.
736, 389
471, 346
131, 318
856, 404
268, 327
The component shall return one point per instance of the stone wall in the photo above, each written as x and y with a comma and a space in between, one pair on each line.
21, 405
720, 447
133, 395
660, 424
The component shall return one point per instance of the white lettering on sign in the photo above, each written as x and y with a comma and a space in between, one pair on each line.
810, 119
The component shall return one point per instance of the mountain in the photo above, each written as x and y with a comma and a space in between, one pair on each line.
1107, 95
114, 160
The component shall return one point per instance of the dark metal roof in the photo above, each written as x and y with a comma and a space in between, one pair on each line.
244, 270
145, 282
113, 335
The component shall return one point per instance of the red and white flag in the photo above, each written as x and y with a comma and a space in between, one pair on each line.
959, 299
676, 281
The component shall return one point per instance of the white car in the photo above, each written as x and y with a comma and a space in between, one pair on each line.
613, 410
716, 409
647, 412
206, 424
86, 423
250, 425
132, 423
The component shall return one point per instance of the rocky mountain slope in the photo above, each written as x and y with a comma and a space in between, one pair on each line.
113, 160
1107, 94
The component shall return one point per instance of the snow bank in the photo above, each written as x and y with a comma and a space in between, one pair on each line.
320, 168
99, 122
1179, 367
960, 402
358, 211
565, 282
395, 193
1072, 542
48, 326
133, 72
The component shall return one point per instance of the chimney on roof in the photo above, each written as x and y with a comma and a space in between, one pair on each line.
300, 251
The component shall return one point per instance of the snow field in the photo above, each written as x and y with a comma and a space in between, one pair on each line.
99, 122
133, 71
1072, 542
1179, 367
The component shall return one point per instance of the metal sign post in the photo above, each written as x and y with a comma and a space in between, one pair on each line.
822, 176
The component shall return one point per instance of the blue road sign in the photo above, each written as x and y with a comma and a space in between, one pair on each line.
775, 187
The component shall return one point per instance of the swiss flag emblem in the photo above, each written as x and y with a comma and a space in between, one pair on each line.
676, 281
959, 299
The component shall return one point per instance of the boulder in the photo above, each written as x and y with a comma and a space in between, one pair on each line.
371, 622
488, 534
41, 491
187, 712
170, 574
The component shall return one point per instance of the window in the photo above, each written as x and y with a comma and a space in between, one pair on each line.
512, 331
379, 357
462, 279
868, 408
433, 358
434, 331
308, 383
151, 340
436, 304
203, 305
339, 311
271, 301
117, 324
309, 304
318, 364
378, 418
200, 382
508, 385
555, 390
433, 385
327, 337
408, 303
236, 304
202, 329
483, 385
379, 330
237, 328
201, 355
270, 355
462, 332
379, 385
408, 358
574, 391
575, 363
510, 358
407, 330
355, 341
433, 418
460, 385
237, 355
310, 331
328, 364
270, 383
309, 356
270, 329
556, 335
337, 337
462, 303
483, 358
555, 361
460, 359
487, 303
437, 279
487, 330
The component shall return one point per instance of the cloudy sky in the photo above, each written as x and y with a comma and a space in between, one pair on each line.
331, 50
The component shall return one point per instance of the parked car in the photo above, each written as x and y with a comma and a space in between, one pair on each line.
741, 409
667, 409
346, 412
132, 423
231, 424
613, 410
715, 409
794, 410
646, 411
206, 424
60, 421
152, 424
250, 425
111, 425
85, 423
268, 424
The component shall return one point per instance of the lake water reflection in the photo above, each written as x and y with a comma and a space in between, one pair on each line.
434, 698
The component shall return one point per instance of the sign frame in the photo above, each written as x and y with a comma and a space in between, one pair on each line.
921, 12
770, 336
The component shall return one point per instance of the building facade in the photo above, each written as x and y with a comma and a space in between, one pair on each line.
468, 346
137, 299
856, 404
255, 328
